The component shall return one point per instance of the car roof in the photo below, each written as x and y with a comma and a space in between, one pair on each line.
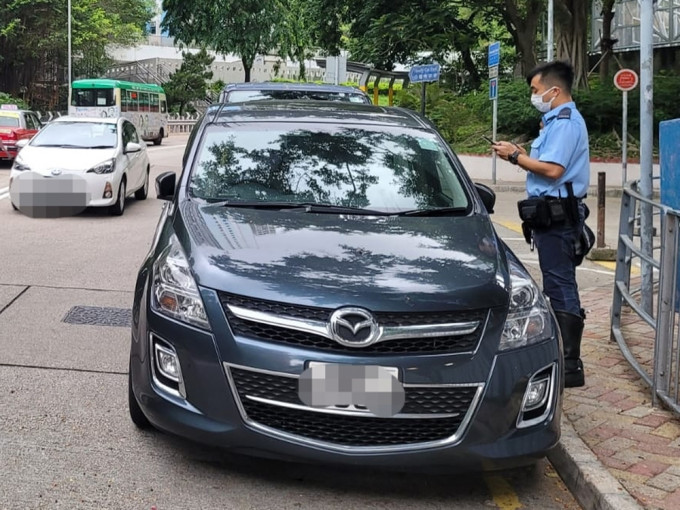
315, 112
101, 120
269, 85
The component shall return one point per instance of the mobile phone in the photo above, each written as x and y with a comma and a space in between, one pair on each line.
488, 139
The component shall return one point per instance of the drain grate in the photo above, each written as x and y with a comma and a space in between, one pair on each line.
99, 316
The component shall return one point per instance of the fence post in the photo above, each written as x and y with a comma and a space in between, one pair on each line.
663, 343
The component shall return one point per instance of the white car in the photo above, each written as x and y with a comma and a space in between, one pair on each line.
74, 163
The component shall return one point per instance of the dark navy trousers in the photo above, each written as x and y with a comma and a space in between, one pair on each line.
557, 258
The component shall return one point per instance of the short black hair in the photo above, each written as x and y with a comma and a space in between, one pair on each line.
557, 73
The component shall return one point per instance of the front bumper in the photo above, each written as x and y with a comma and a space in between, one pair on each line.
210, 410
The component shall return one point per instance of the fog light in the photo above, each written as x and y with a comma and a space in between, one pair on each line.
536, 394
108, 191
167, 363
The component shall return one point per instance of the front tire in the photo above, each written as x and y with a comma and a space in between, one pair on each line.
143, 192
118, 208
136, 414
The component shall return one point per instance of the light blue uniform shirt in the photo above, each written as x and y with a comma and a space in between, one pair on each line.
563, 140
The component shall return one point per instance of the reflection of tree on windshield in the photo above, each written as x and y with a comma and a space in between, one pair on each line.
335, 167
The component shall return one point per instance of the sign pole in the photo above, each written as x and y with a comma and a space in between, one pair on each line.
624, 134
422, 100
494, 126
494, 58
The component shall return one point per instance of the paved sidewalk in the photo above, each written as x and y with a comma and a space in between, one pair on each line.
638, 444
617, 451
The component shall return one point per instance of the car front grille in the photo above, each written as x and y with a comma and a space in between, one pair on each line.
415, 345
430, 413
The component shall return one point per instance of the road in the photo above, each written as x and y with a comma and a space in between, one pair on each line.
66, 441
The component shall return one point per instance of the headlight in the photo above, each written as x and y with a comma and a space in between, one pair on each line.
19, 165
106, 167
528, 320
174, 292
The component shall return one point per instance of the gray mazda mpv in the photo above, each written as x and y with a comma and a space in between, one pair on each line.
325, 285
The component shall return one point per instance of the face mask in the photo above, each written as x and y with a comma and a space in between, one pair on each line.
537, 101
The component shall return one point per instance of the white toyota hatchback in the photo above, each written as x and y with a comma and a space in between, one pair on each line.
74, 163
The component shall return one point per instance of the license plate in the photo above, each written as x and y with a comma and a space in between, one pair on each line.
341, 386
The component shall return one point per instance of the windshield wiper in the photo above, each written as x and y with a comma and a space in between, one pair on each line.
436, 211
100, 147
61, 145
308, 207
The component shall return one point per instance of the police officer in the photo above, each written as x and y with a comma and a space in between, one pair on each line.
559, 160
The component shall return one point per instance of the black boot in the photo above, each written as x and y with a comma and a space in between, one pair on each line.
571, 327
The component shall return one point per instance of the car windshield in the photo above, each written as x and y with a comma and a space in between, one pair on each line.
87, 135
6, 121
376, 168
239, 96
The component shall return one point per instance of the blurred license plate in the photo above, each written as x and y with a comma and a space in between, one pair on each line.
371, 387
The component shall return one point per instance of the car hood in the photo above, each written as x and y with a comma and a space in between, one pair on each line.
43, 160
329, 260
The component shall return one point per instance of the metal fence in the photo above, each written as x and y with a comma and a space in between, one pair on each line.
637, 319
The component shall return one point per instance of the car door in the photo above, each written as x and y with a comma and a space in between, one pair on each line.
134, 160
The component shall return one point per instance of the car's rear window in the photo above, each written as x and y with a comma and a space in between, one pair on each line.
7, 121
373, 167
240, 96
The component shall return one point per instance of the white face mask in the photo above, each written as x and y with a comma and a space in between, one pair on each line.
539, 104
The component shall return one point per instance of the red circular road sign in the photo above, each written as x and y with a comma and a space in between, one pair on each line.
626, 79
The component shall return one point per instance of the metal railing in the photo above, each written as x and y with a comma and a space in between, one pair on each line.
650, 318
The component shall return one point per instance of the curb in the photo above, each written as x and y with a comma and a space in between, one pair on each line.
589, 481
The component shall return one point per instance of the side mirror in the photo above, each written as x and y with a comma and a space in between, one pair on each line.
165, 186
487, 195
22, 143
132, 147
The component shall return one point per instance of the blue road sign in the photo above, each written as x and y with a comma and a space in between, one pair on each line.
494, 54
429, 72
493, 88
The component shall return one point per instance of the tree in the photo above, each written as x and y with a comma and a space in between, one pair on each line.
571, 36
606, 41
243, 27
293, 32
189, 82
34, 34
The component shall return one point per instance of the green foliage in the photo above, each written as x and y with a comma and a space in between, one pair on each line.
243, 27
189, 82
463, 118
8, 99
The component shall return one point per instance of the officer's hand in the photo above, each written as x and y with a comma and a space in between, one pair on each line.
503, 149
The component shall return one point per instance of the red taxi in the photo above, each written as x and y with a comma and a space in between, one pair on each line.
15, 124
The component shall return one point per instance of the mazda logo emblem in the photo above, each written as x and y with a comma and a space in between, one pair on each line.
353, 327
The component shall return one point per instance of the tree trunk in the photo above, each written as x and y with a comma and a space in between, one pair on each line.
606, 43
247, 64
474, 79
523, 26
571, 34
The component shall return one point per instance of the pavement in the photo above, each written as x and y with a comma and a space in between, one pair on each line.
617, 451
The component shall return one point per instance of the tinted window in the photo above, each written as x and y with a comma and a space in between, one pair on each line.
93, 97
377, 168
77, 134
238, 96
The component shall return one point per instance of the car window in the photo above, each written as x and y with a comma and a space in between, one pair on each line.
75, 134
239, 96
129, 133
7, 121
36, 120
372, 167
30, 123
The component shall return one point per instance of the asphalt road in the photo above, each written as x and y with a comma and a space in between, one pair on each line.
66, 440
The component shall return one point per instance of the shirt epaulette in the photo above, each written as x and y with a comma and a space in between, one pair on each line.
565, 113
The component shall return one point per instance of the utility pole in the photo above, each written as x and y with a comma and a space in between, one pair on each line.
69, 55
551, 24
646, 146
